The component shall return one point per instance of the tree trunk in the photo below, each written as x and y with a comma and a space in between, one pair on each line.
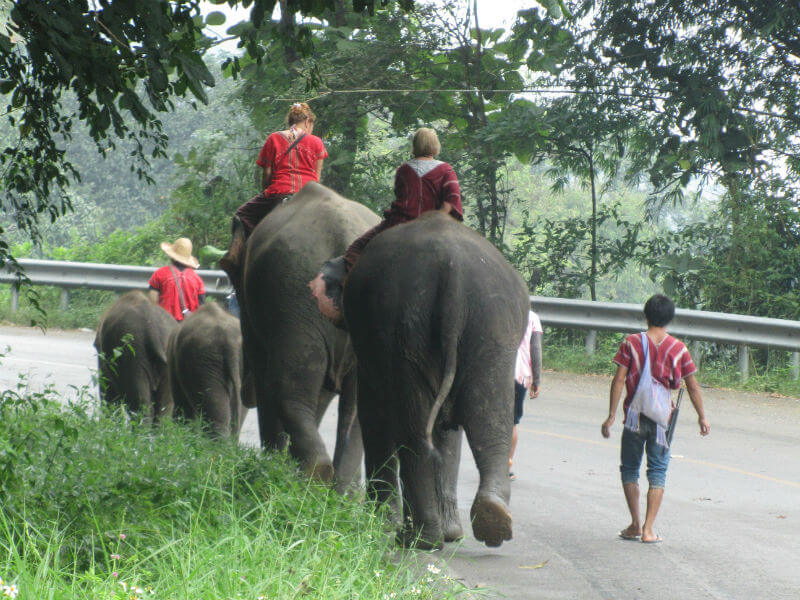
288, 26
593, 275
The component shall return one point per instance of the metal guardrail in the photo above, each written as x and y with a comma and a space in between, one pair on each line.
120, 278
688, 324
740, 330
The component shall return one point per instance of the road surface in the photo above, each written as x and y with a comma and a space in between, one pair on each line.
730, 518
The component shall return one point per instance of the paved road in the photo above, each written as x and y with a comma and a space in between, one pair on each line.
730, 518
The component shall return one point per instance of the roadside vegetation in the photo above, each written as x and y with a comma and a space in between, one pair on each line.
100, 505
770, 370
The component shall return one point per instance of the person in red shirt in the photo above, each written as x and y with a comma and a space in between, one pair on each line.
288, 160
421, 184
670, 364
176, 287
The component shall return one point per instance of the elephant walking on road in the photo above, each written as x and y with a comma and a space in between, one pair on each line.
131, 342
205, 370
298, 359
436, 314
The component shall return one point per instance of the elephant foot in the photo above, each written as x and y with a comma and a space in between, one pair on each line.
491, 520
453, 531
320, 472
408, 537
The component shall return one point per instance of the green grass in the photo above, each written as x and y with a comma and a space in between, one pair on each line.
104, 506
769, 371
84, 311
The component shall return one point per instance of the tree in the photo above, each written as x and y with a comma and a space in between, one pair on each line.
126, 57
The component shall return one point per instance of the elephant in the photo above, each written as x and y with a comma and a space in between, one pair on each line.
299, 360
204, 358
131, 343
435, 315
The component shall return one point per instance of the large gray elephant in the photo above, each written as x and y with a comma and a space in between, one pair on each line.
297, 359
131, 342
436, 314
205, 370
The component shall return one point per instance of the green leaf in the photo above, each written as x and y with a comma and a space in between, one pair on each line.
216, 18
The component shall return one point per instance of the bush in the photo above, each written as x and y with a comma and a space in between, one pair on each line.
96, 505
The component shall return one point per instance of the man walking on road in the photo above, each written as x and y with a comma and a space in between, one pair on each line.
669, 363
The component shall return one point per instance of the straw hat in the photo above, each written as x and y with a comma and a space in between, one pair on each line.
181, 251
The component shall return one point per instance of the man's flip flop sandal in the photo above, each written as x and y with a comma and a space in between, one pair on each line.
658, 540
628, 536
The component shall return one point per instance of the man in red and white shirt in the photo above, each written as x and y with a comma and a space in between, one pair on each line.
670, 363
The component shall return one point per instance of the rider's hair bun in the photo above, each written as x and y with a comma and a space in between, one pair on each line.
299, 112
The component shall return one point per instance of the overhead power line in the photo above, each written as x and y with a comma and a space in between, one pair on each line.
554, 91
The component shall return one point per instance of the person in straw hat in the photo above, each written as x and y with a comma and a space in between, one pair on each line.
176, 287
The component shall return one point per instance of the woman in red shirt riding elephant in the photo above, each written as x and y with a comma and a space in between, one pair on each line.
288, 160
420, 185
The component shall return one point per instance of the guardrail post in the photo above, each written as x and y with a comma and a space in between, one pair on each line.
591, 341
64, 298
795, 365
14, 299
696, 352
744, 362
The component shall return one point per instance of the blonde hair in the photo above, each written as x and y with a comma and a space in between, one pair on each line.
299, 112
425, 142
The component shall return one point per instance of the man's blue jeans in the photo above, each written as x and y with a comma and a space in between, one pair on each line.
634, 444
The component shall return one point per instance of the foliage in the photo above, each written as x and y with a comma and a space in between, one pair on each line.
750, 269
555, 254
770, 370
94, 502
126, 61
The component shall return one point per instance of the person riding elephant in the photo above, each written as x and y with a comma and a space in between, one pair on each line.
421, 184
297, 358
131, 344
205, 371
176, 287
288, 161
435, 315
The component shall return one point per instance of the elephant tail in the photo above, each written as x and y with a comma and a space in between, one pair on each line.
450, 355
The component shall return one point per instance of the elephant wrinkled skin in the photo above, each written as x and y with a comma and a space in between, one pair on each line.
205, 370
436, 314
137, 377
299, 360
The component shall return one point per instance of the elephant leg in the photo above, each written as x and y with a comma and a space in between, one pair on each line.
422, 523
163, 406
300, 420
488, 427
109, 386
448, 443
137, 390
216, 409
270, 425
380, 461
349, 444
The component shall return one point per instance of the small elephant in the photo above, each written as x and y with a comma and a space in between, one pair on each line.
436, 314
131, 343
205, 370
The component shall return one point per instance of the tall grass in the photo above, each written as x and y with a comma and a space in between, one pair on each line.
104, 506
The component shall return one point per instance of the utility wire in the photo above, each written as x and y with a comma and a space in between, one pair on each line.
518, 91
